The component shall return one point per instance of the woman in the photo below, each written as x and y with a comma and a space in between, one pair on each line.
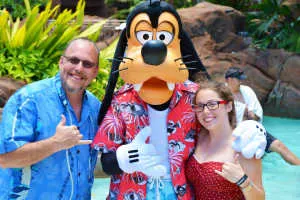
215, 170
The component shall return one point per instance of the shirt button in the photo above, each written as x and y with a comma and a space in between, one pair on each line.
78, 173
78, 151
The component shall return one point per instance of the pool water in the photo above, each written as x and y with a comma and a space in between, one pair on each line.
281, 180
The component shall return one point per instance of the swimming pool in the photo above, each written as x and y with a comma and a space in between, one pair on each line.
281, 180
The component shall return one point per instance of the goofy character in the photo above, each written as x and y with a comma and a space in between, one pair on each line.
147, 128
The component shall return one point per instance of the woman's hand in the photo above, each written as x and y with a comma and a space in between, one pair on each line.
232, 171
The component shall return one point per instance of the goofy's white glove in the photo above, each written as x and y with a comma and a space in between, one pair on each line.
140, 156
250, 139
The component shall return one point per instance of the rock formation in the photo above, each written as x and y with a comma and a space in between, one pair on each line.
273, 73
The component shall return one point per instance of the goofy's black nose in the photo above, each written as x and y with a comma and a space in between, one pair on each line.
154, 52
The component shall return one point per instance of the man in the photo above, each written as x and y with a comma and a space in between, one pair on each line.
46, 127
248, 108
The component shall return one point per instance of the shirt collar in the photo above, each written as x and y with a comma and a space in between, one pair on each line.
180, 89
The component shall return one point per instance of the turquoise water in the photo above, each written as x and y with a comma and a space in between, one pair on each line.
281, 180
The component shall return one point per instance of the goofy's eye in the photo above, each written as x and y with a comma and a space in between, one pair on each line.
144, 36
164, 36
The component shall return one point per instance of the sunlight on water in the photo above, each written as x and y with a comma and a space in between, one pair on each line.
281, 180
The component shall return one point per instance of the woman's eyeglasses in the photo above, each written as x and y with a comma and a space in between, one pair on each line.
211, 105
76, 61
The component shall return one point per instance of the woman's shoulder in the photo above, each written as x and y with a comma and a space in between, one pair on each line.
251, 164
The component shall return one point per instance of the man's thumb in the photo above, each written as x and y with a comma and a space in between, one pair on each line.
62, 121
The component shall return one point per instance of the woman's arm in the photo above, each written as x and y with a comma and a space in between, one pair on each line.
247, 174
252, 188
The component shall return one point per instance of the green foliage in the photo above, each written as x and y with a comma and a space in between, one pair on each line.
125, 6
272, 26
242, 5
181, 3
28, 65
17, 7
98, 86
269, 23
30, 50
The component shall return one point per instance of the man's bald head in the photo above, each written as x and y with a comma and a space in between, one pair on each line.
97, 50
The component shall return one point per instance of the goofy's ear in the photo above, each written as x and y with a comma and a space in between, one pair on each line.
114, 74
190, 56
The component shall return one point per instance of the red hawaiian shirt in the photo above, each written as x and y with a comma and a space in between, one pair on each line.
127, 115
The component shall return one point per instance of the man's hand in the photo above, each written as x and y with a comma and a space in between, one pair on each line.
250, 115
67, 136
140, 156
250, 139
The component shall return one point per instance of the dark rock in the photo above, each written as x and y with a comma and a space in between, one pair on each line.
273, 73
7, 87
92, 7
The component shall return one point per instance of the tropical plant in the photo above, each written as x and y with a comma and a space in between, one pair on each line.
98, 86
17, 7
125, 6
272, 26
30, 49
242, 5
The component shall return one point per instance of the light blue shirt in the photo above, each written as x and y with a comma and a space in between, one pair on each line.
31, 115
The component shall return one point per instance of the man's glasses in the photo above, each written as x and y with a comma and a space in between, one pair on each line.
76, 61
211, 105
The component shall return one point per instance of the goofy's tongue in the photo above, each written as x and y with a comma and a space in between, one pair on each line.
155, 91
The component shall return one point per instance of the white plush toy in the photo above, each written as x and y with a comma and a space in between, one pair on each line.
250, 139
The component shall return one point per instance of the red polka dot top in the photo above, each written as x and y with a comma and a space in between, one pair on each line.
207, 184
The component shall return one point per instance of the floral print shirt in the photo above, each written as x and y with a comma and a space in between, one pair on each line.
127, 115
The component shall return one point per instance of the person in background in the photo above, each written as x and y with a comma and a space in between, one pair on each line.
248, 107
46, 128
215, 170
